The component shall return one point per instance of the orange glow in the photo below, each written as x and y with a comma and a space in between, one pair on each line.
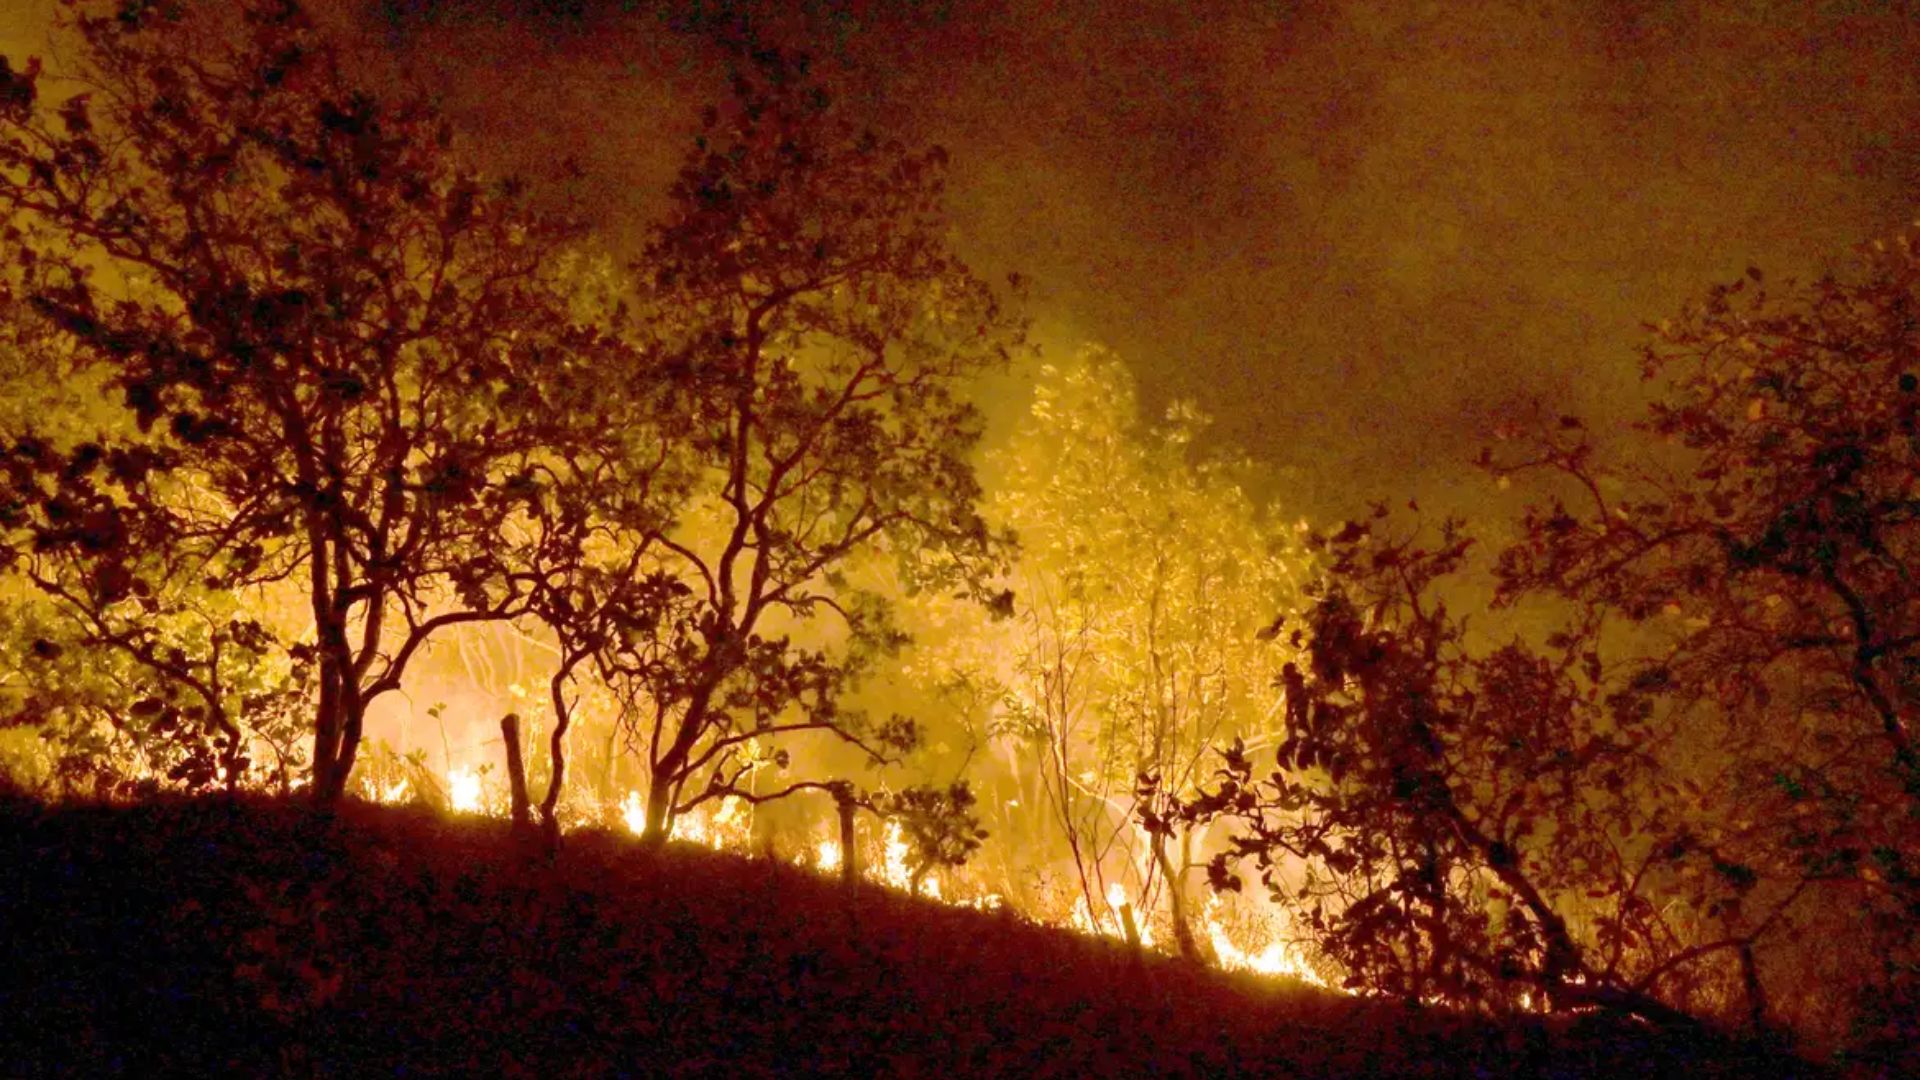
463, 790
726, 825
1279, 956
634, 812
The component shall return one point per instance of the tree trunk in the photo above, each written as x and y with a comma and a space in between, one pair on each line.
557, 751
355, 712
659, 807
1756, 992
326, 734
516, 771
336, 745
1176, 902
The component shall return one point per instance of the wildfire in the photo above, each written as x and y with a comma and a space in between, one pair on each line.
894, 868
691, 829
1279, 957
1110, 922
463, 790
634, 813
728, 828
727, 825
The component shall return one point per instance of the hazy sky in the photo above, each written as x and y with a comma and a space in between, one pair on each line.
1355, 232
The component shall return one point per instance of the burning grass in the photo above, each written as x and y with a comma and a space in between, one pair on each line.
260, 938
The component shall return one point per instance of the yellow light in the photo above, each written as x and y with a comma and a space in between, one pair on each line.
1278, 957
634, 812
894, 870
689, 828
463, 790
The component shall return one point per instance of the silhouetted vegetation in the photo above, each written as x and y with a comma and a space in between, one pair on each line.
293, 396
263, 939
1708, 765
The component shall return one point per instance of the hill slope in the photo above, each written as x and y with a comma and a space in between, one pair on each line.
258, 938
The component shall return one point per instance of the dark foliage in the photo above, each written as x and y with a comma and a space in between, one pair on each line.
817, 337
1454, 824
1757, 541
342, 360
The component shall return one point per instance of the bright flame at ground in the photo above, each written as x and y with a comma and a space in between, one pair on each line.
728, 826
1278, 957
895, 869
463, 790
1110, 923
689, 828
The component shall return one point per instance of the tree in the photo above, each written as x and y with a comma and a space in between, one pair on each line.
1145, 576
345, 357
1697, 796
1485, 825
1761, 550
176, 684
817, 338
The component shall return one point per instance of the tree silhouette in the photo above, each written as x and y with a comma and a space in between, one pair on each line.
1455, 823
345, 357
1761, 547
814, 336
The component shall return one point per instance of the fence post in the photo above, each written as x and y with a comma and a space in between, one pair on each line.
849, 854
516, 770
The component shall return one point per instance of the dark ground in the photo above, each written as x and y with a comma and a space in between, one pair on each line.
258, 938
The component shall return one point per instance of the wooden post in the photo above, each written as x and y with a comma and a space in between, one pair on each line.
1756, 993
849, 855
516, 770
1132, 928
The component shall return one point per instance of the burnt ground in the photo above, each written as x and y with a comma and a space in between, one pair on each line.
261, 938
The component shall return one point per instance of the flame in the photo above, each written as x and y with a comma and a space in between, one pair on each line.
893, 866
732, 819
690, 828
1109, 923
895, 869
1278, 957
727, 825
463, 790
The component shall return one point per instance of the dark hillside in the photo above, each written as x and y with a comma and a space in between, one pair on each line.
259, 939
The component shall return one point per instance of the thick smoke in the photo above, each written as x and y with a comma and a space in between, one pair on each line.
1357, 233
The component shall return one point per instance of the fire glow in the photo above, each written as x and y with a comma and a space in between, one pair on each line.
728, 826
463, 790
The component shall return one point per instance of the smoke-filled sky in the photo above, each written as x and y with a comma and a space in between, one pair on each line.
1356, 232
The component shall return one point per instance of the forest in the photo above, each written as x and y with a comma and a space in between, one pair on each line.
336, 468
